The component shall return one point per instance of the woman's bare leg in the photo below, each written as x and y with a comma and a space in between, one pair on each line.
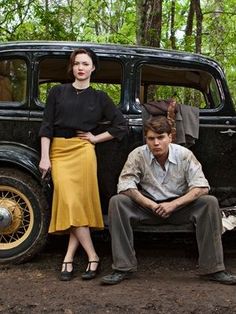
71, 249
83, 236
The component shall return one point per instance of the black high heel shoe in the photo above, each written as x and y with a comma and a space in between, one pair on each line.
65, 274
90, 274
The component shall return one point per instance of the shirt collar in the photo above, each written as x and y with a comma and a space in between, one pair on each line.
171, 157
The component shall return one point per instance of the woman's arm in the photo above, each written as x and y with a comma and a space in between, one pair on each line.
118, 127
94, 139
45, 163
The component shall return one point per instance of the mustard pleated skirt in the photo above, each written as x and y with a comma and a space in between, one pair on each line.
76, 200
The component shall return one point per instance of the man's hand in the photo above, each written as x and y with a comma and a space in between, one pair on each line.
164, 209
139, 198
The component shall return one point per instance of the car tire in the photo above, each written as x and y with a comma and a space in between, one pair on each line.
24, 216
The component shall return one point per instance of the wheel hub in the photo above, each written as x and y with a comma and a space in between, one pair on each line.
5, 218
10, 216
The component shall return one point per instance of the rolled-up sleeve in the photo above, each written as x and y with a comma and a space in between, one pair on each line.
131, 173
194, 174
118, 127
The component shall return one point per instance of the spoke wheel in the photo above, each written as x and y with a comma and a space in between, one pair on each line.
23, 216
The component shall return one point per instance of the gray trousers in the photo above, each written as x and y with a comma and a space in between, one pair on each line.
204, 213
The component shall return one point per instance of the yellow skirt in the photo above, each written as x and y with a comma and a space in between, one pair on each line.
76, 200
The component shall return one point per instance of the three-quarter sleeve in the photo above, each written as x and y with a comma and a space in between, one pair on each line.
66, 109
118, 127
46, 129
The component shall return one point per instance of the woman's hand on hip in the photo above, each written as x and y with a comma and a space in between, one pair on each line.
87, 136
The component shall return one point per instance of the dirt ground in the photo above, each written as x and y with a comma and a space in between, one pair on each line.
166, 281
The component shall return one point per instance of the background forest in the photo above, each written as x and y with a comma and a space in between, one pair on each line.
203, 26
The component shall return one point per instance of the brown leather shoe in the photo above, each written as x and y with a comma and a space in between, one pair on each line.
221, 277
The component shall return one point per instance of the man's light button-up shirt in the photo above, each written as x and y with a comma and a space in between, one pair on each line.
182, 171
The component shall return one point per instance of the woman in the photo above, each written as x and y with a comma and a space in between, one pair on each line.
71, 115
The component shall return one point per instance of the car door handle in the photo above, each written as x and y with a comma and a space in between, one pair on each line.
230, 132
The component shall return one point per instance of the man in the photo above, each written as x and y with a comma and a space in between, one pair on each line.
163, 183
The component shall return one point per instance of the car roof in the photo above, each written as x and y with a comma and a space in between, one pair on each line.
133, 50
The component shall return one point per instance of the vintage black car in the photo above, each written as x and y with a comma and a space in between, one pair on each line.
132, 76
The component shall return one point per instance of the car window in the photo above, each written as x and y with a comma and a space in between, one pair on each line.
188, 86
13, 81
53, 71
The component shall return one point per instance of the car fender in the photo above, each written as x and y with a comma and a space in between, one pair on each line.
21, 156
25, 158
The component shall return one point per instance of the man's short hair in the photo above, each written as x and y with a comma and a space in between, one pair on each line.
158, 124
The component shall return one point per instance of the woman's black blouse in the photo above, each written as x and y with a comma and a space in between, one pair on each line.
66, 108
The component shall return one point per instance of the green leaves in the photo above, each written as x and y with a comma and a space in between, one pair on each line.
169, 24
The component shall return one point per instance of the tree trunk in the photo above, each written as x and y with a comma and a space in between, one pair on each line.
189, 26
199, 18
47, 24
172, 26
149, 20
194, 10
70, 4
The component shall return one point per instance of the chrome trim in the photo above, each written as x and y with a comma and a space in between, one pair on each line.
139, 122
14, 118
5, 218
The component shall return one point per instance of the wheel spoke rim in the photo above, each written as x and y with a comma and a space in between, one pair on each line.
23, 218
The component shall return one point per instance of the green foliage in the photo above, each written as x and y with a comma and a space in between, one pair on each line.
219, 36
113, 90
44, 90
115, 21
182, 95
